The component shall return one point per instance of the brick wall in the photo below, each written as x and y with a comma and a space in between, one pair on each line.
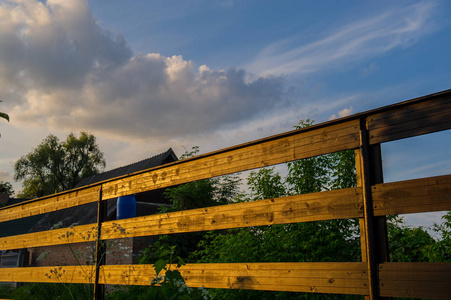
62, 255
120, 251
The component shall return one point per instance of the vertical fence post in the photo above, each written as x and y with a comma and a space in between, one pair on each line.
99, 289
373, 230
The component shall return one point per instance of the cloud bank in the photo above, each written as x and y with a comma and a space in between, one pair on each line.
65, 71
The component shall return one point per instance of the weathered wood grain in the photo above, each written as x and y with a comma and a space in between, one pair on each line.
341, 278
50, 203
299, 145
416, 119
338, 204
76, 234
63, 274
412, 196
415, 280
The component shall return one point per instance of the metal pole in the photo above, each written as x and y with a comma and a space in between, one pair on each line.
99, 289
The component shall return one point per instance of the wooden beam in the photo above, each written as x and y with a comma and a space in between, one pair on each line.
415, 280
61, 274
297, 145
412, 196
412, 120
337, 204
338, 278
76, 234
49, 204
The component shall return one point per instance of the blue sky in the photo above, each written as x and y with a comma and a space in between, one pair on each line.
144, 76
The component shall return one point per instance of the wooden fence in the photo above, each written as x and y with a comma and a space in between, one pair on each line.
370, 201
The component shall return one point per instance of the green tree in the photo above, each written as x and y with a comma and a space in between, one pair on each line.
308, 175
415, 244
407, 244
6, 188
197, 194
202, 193
265, 184
334, 240
440, 251
55, 166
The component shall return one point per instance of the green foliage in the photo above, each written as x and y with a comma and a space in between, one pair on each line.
5, 290
407, 244
334, 240
191, 195
440, 251
197, 194
343, 173
55, 166
415, 244
39, 291
303, 242
265, 184
169, 285
202, 193
4, 116
6, 188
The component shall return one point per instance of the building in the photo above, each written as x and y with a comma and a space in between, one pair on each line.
122, 251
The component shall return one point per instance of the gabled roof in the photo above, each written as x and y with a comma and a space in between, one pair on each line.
157, 160
87, 214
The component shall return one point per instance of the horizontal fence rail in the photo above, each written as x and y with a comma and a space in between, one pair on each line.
370, 201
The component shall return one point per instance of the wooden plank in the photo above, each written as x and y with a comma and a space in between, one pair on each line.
49, 204
413, 111
340, 278
415, 280
77, 234
412, 196
62, 274
346, 203
298, 145
337, 204
412, 120
411, 132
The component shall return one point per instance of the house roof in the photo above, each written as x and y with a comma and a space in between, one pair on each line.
87, 214
157, 160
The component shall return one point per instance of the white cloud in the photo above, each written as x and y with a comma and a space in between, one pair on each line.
65, 72
343, 113
399, 27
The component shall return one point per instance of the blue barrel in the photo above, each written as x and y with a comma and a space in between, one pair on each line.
126, 207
